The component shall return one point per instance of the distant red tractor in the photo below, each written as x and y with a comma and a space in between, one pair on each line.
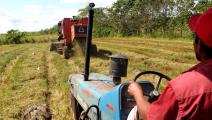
71, 32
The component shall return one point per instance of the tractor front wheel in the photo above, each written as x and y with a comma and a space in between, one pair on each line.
76, 109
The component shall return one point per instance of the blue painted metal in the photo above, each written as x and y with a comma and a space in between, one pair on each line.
100, 91
112, 99
89, 92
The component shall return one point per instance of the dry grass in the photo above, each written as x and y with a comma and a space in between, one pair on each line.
168, 56
30, 74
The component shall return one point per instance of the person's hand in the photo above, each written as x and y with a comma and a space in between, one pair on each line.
135, 89
142, 104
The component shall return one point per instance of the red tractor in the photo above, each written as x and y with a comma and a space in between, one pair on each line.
72, 32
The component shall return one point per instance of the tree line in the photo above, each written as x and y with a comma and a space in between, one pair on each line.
14, 36
157, 18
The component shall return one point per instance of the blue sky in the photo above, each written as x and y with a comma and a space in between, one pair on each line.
33, 15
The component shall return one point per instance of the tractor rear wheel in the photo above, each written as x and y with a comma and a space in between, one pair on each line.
66, 52
52, 47
75, 108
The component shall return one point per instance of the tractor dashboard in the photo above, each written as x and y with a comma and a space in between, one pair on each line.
127, 102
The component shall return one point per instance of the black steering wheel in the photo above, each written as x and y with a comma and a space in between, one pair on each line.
154, 94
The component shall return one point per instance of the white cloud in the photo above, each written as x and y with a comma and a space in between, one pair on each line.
34, 17
33, 9
74, 1
61, 13
99, 3
6, 21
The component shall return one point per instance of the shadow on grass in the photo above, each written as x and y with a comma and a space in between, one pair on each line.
103, 54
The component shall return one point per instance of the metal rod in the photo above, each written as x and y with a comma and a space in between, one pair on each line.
88, 43
158, 83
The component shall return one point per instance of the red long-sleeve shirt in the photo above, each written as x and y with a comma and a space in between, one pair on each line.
187, 97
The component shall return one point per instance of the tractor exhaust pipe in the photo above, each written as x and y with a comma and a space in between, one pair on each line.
88, 42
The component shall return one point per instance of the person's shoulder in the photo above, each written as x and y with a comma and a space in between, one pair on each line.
186, 84
183, 78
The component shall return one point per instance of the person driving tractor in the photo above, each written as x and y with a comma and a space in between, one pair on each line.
189, 96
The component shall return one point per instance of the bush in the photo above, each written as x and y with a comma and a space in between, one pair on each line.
14, 37
101, 32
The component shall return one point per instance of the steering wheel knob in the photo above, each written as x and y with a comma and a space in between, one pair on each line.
154, 95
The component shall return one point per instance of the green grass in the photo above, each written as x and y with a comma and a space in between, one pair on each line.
32, 39
9, 55
30, 74
59, 71
24, 85
41, 38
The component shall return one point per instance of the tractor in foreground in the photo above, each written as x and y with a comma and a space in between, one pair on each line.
71, 33
95, 96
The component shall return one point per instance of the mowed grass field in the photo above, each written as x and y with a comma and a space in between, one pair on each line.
30, 74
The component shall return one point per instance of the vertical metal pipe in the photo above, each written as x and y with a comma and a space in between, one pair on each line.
88, 44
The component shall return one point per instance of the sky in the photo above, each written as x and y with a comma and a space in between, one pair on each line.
34, 15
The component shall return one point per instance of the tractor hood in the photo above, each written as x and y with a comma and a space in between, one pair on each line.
89, 92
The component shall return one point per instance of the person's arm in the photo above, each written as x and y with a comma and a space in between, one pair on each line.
135, 90
165, 108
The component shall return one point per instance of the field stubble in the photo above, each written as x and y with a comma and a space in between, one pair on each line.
30, 74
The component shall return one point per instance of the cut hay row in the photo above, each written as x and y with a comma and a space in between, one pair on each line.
150, 57
8, 68
139, 61
173, 48
8, 56
151, 51
25, 85
149, 41
154, 53
59, 71
4, 49
38, 76
137, 40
